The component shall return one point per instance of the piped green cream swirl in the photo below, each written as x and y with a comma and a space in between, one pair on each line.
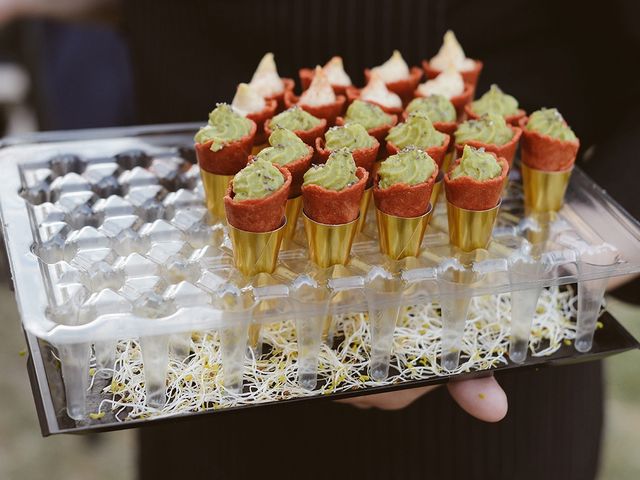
337, 174
352, 136
495, 101
436, 107
476, 163
294, 119
549, 121
410, 166
285, 148
225, 126
418, 131
490, 128
257, 180
367, 114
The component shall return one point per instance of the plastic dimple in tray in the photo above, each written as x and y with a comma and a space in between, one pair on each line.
109, 240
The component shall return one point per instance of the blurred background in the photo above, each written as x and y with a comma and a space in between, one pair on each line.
65, 64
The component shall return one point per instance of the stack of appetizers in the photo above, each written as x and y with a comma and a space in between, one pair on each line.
270, 154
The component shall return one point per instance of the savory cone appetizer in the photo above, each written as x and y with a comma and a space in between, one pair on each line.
397, 77
371, 117
288, 151
256, 197
332, 191
449, 84
250, 104
334, 70
476, 180
223, 145
418, 131
548, 143
354, 138
549, 149
404, 182
302, 123
376, 92
319, 99
268, 83
438, 108
490, 132
496, 101
451, 53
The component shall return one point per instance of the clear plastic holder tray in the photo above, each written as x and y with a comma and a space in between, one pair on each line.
108, 239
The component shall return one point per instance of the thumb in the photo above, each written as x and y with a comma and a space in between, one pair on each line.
482, 398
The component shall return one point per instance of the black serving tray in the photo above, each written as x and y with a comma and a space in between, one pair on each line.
48, 389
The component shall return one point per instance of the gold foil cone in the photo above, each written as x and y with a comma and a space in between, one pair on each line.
401, 237
437, 188
292, 212
256, 252
329, 244
215, 188
364, 207
470, 229
544, 191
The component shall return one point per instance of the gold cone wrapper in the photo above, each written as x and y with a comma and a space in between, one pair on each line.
256, 252
364, 207
329, 244
437, 188
544, 191
471, 229
292, 212
215, 188
401, 237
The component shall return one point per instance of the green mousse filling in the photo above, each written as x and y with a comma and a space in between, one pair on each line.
257, 180
549, 121
417, 131
436, 107
490, 129
225, 126
367, 114
352, 136
286, 147
294, 119
476, 163
495, 101
410, 166
337, 174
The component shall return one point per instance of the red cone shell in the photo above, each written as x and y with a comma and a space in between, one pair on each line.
403, 88
230, 159
506, 151
402, 200
334, 208
471, 194
329, 112
511, 119
437, 153
469, 77
261, 215
307, 136
543, 152
364, 157
260, 117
